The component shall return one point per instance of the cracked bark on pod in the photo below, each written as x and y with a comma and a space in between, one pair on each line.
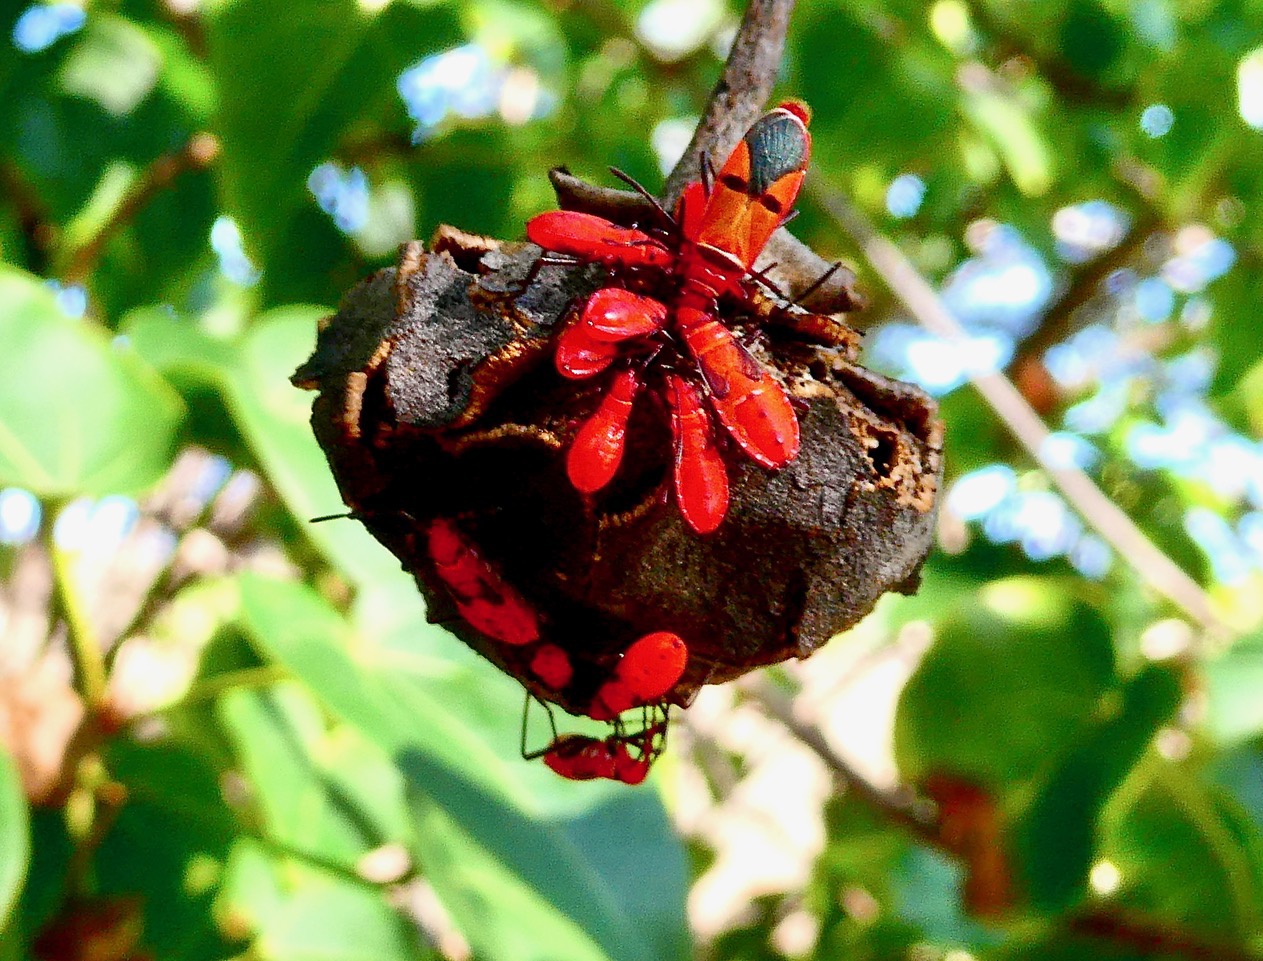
438, 398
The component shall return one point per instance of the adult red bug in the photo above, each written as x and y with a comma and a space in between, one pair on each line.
704, 258
597, 449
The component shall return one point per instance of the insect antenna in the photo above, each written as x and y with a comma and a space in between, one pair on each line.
546, 259
768, 283
790, 216
707, 169
333, 517
637, 186
815, 285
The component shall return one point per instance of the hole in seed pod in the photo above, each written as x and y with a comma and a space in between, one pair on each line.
881, 451
795, 604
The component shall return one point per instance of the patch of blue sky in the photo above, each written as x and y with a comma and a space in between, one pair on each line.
1005, 286
43, 24
1062, 449
1231, 465
1048, 527
1091, 557
97, 525
1187, 374
342, 194
1154, 299
976, 494
462, 81
1077, 361
72, 299
1101, 410
905, 195
1229, 558
1190, 271
1250, 533
937, 365
226, 241
1088, 229
20, 515
214, 474
1038, 521
1156, 120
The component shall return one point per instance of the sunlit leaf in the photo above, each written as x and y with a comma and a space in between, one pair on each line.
15, 842
252, 378
575, 856
1234, 680
77, 415
1015, 675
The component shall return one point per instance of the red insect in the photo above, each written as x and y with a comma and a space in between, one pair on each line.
597, 450
482, 598
649, 668
583, 758
552, 665
705, 259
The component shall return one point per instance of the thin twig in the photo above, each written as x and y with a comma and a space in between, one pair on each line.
89, 656
742, 90
32, 215
1149, 938
903, 807
1109, 520
1059, 316
198, 154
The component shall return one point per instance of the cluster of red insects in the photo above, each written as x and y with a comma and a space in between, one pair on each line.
674, 342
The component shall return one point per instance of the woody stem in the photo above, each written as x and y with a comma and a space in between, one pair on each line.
742, 90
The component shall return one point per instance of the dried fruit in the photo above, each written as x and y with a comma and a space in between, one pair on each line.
459, 408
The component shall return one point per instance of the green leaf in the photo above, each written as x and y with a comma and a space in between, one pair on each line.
77, 414
333, 797
336, 921
1017, 139
491, 829
288, 92
1234, 680
1015, 675
252, 378
1187, 856
1056, 836
293, 909
503, 915
15, 842
113, 63
167, 847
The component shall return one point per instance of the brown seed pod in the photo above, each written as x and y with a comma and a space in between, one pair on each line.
438, 399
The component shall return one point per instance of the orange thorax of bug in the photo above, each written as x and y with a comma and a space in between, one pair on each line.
726, 230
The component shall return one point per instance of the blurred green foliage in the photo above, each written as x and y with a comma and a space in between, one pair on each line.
187, 186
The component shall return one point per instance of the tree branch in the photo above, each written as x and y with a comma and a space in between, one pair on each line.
1109, 520
31, 212
742, 90
198, 154
1059, 316
903, 807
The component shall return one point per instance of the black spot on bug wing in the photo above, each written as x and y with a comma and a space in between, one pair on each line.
778, 146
